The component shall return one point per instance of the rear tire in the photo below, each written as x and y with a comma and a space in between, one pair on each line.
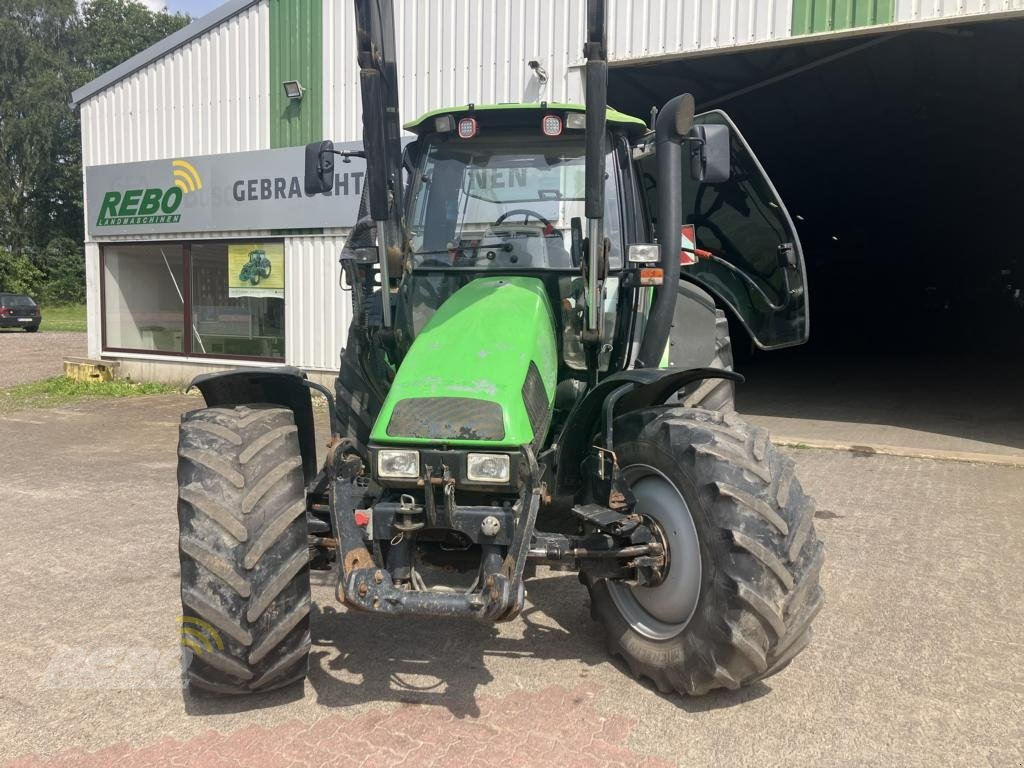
753, 574
32, 328
243, 548
714, 394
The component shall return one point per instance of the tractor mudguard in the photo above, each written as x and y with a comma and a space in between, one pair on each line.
285, 386
650, 386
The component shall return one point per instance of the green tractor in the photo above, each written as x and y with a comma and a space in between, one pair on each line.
256, 268
537, 373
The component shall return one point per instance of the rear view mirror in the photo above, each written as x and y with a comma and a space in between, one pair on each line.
710, 160
319, 167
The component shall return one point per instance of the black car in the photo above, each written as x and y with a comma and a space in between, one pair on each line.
19, 311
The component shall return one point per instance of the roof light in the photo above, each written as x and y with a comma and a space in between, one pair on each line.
467, 128
444, 124
551, 125
576, 121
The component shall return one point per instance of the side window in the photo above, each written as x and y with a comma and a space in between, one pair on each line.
756, 264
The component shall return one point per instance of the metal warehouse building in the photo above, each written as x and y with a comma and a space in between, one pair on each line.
891, 127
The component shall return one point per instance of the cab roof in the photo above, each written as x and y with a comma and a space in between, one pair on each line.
424, 124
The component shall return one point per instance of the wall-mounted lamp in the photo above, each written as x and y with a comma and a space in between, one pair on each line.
293, 90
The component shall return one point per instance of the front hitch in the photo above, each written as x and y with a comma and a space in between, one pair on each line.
364, 585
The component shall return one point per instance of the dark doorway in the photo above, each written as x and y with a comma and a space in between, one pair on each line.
902, 157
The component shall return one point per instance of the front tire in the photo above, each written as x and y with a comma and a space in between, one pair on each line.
742, 582
243, 547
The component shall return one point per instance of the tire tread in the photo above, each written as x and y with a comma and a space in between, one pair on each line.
767, 557
243, 547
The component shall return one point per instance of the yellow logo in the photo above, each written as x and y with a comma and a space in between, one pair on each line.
186, 177
199, 635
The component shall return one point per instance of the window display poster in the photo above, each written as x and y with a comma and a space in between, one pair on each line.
256, 269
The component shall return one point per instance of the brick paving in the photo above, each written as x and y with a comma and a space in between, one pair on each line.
552, 726
915, 661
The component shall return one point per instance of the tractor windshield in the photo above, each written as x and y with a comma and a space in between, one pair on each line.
502, 203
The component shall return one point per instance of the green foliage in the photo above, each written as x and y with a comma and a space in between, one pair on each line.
60, 390
118, 29
17, 274
47, 49
63, 263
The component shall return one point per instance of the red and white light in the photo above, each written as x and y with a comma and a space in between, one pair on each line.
551, 125
467, 128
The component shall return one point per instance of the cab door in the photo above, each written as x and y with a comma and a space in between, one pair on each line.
747, 251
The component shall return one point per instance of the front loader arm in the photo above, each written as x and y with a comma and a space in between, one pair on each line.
378, 82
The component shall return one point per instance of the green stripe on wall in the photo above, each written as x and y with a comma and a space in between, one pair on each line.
831, 15
296, 53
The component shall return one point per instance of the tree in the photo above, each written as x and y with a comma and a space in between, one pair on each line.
37, 73
115, 30
47, 49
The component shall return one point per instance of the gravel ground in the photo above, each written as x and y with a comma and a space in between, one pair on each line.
916, 659
26, 357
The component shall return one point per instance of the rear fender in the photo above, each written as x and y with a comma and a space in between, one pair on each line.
646, 387
285, 386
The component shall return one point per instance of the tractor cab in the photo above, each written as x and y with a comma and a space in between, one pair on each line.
501, 190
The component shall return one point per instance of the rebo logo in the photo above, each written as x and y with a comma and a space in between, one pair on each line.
153, 205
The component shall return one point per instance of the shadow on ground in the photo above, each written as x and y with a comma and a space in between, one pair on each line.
359, 658
971, 397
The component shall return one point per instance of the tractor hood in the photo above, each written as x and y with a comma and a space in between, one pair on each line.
481, 373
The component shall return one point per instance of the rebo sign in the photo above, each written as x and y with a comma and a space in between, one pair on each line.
215, 193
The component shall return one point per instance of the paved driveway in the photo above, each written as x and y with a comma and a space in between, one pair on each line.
917, 658
26, 357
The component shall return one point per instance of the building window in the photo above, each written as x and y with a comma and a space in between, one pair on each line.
238, 299
144, 291
204, 299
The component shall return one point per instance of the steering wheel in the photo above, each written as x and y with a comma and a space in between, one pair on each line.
526, 213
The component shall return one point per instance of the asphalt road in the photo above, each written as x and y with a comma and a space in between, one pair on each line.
26, 357
917, 658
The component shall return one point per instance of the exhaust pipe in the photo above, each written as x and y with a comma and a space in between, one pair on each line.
670, 129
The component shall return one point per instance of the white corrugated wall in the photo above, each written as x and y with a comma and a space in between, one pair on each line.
925, 10
459, 51
454, 52
207, 97
640, 29
317, 311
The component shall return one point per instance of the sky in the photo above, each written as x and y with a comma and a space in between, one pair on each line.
194, 8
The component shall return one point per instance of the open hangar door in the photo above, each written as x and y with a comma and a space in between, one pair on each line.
900, 156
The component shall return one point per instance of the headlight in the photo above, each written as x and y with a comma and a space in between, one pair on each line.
487, 468
398, 463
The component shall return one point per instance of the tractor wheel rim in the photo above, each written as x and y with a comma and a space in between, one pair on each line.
662, 611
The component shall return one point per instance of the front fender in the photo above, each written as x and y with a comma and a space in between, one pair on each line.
648, 386
285, 386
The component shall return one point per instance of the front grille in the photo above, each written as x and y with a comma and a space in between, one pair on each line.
447, 418
536, 401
